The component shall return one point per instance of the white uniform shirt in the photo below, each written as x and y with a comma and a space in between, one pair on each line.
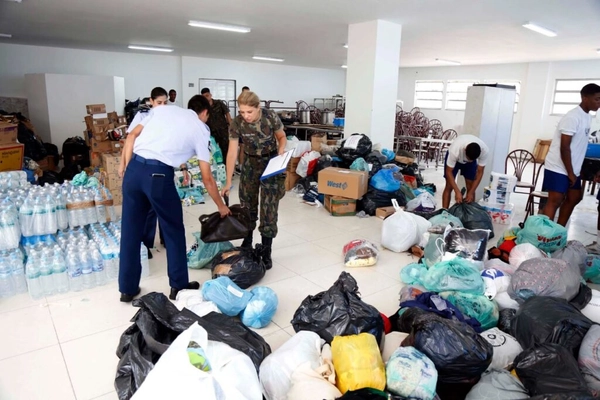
173, 103
173, 135
575, 123
139, 117
456, 151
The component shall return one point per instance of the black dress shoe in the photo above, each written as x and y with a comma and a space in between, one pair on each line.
192, 285
149, 254
128, 298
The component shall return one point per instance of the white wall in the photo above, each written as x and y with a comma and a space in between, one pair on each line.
270, 81
533, 120
35, 91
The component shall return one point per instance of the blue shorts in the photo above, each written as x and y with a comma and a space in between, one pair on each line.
559, 183
467, 170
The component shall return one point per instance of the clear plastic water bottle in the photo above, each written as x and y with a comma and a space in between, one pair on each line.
100, 206
10, 231
144, 261
59, 273
62, 219
18, 271
45, 267
72, 210
87, 271
74, 270
111, 209
51, 225
98, 268
32, 271
7, 288
26, 217
39, 217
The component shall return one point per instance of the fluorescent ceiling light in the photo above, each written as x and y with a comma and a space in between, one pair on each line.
148, 48
268, 59
15, 1
539, 29
5, 35
344, 66
219, 27
448, 62
598, 51
345, 46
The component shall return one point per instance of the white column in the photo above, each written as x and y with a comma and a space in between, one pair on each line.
372, 80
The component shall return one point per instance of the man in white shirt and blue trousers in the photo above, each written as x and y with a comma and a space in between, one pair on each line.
563, 163
164, 140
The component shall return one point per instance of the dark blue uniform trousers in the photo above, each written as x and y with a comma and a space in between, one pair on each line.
150, 184
150, 229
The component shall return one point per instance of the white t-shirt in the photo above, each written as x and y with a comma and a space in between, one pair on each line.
456, 151
575, 123
173, 103
139, 117
173, 135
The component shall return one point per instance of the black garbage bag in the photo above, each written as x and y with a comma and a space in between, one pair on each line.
322, 163
550, 320
473, 216
549, 368
357, 145
307, 183
374, 199
459, 354
338, 311
505, 322
375, 160
583, 298
428, 214
564, 396
243, 266
371, 394
158, 323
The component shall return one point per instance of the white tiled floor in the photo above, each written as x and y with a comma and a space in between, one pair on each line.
63, 347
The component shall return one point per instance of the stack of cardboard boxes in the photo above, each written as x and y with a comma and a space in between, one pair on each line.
111, 179
342, 187
11, 152
98, 123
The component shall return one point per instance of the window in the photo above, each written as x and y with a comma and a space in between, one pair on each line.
221, 89
429, 94
456, 94
516, 84
566, 94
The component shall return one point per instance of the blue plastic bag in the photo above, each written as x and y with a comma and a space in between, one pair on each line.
592, 271
413, 273
260, 310
479, 307
228, 296
389, 154
454, 275
386, 180
543, 233
444, 219
202, 253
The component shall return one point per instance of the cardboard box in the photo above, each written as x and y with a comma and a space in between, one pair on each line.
92, 109
111, 162
47, 163
384, 212
340, 206
343, 182
113, 181
11, 157
117, 195
316, 140
121, 120
105, 146
97, 125
8, 133
291, 177
95, 159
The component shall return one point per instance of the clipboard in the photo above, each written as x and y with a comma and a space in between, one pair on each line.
277, 165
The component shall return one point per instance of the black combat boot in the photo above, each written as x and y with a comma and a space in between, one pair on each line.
266, 252
247, 243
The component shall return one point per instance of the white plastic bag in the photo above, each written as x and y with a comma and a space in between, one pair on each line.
524, 252
301, 147
592, 310
506, 348
232, 375
193, 301
589, 356
304, 162
423, 202
402, 230
495, 281
315, 384
504, 301
276, 370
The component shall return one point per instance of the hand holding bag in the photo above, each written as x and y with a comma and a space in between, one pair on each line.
232, 227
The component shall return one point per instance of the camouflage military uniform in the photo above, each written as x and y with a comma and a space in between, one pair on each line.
260, 145
219, 127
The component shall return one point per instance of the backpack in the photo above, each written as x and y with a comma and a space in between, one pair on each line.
76, 152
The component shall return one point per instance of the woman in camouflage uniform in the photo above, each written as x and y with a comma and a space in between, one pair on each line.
261, 132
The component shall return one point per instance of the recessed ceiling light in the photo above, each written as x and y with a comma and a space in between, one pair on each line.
344, 66
5, 35
219, 27
448, 62
268, 59
539, 29
345, 46
149, 48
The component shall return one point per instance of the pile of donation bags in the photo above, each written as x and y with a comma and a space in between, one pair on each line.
516, 321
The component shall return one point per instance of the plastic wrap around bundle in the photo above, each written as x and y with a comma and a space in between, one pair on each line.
410, 373
544, 277
360, 253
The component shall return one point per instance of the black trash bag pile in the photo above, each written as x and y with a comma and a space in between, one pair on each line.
550, 369
322, 163
371, 394
459, 354
338, 311
351, 153
413, 170
583, 297
376, 160
542, 320
243, 266
505, 322
158, 323
473, 216
428, 214
375, 199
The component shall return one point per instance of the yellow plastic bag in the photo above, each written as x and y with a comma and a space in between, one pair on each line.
358, 362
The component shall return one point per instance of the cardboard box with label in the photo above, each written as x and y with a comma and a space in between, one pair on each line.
11, 157
384, 212
343, 182
8, 133
111, 162
340, 206
291, 177
92, 109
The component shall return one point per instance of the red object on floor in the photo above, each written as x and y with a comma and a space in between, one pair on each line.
508, 245
387, 325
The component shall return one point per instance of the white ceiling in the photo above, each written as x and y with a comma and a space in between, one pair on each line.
312, 32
